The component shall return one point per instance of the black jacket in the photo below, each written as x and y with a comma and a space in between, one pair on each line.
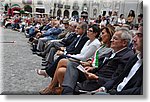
72, 49
67, 41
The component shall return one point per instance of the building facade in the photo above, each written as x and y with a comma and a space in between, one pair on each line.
69, 8
94, 8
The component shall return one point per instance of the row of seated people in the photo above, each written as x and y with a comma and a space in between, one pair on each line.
38, 37
102, 60
82, 47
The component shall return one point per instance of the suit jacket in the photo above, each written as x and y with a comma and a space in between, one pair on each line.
72, 49
67, 41
112, 68
63, 34
134, 86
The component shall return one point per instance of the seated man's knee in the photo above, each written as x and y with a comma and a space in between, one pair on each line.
53, 48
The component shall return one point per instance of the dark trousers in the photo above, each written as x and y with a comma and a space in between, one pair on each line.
51, 50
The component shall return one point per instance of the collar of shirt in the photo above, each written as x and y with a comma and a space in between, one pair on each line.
140, 59
78, 35
114, 53
119, 50
139, 56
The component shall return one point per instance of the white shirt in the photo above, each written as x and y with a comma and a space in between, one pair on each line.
121, 21
131, 73
88, 50
113, 54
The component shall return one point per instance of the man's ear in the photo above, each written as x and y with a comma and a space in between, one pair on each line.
96, 33
125, 43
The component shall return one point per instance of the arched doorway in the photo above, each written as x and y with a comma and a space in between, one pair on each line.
15, 9
28, 8
59, 13
75, 13
66, 13
84, 14
15, 5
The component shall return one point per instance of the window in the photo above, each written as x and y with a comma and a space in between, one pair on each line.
40, 10
40, 2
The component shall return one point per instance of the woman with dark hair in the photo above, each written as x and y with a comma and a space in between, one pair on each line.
131, 17
121, 19
106, 35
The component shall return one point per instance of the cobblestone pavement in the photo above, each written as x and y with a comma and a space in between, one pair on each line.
18, 65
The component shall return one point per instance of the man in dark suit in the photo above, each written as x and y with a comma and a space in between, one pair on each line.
110, 65
130, 82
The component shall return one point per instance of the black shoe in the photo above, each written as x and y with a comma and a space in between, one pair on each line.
34, 52
40, 54
43, 59
45, 68
38, 51
44, 64
34, 47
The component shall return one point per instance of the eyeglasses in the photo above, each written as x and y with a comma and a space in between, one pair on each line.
139, 34
90, 30
102, 33
116, 38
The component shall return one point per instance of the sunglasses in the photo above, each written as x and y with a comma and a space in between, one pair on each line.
90, 30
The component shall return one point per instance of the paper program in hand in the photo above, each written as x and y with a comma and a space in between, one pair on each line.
81, 68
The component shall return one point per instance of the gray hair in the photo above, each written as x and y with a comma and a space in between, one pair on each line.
84, 26
74, 23
126, 34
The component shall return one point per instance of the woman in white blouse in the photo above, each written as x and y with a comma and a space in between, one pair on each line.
87, 51
121, 19
90, 46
